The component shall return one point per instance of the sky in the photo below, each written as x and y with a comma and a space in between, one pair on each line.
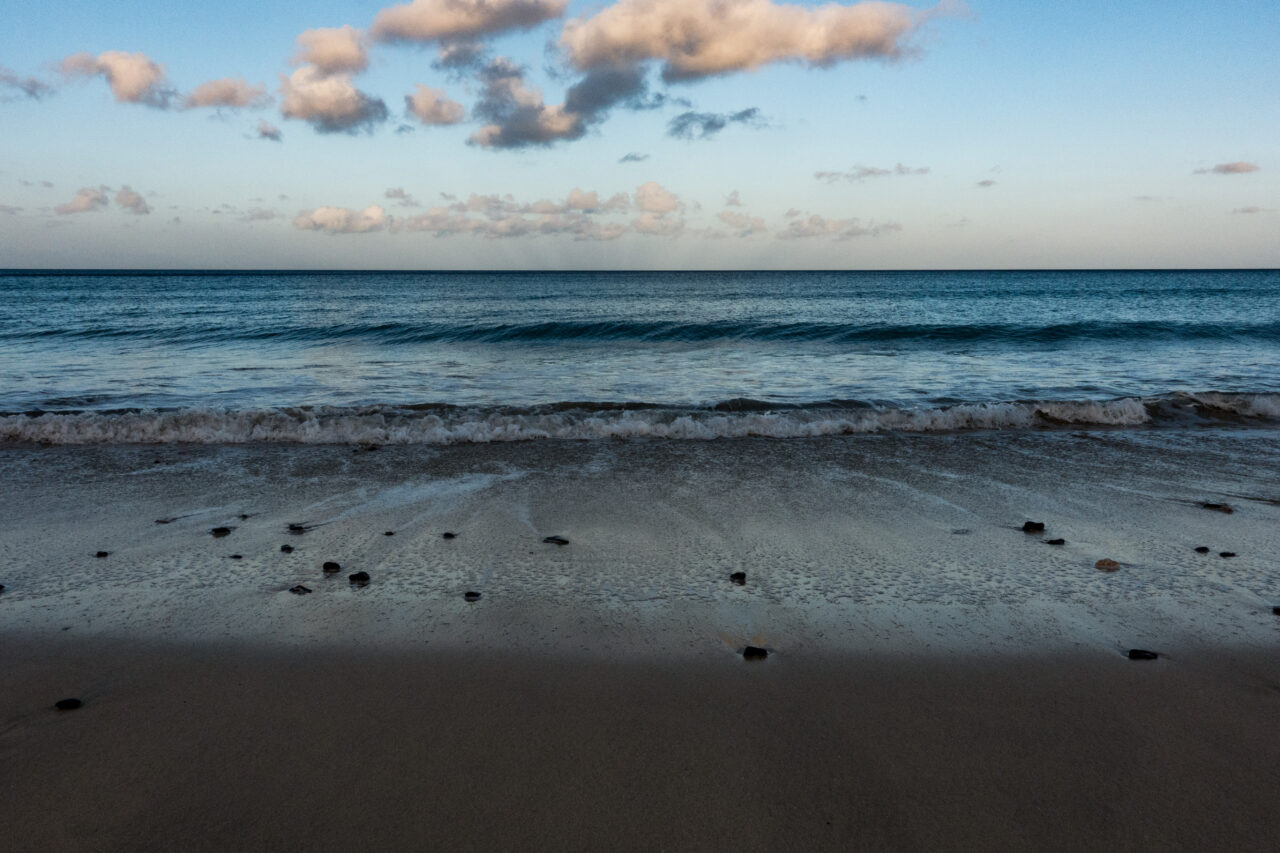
639, 134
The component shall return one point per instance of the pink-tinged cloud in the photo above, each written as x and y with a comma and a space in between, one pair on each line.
801, 227
431, 106
132, 201
1236, 168
342, 220
652, 197
230, 92
742, 224
699, 38
133, 78
87, 200
268, 131
455, 20
333, 50
330, 102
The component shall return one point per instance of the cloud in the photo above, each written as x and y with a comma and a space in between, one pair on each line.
652, 197
9, 209
516, 113
341, 220
658, 208
861, 173
732, 200
986, 182
333, 50
402, 198
260, 214
32, 87
87, 200
633, 157
813, 225
692, 125
742, 224
699, 38
329, 102
459, 55
232, 92
46, 184
133, 78
432, 107
268, 131
455, 20
1251, 209
132, 201
1236, 168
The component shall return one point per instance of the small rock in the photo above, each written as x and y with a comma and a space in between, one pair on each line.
448, 535
1218, 507
359, 579
471, 596
67, 704
237, 556
961, 531
1033, 527
296, 528
1275, 610
286, 549
299, 590
102, 554
1, 587
389, 533
1226, 553
740, 578
1055, 542
556, 540
1106, 565
166, 520
1203, 549
754, 653
331, 568
1142, 654
219, 532
244, 516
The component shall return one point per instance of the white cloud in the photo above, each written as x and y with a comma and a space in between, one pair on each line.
333, 50
802, 226
742, 224
432, 107
87, 200
455, 20
133, 77
341, 220
132, 201
652, 197
861, 173
330, 102
1236, 168
233, 92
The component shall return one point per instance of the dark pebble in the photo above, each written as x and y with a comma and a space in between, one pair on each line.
1, 587
244, 516
1055, 542
448, 535
298, 528
1227, 554
359, 578
219, 532
961, 531
101, 554
1203, 549
740, 578
471, 596
331, 567
299, 590
1274, 610
287, 549
1142, 654
1033, 527
1218, 507
389, 533
754, 653
556, 540
67, 704
237, 556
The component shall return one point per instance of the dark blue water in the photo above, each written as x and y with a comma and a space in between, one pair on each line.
429, 345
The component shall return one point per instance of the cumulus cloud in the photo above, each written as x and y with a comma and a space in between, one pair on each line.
658, 209
1236, 168
861, 173
516, 113
133, 78
400, 197
652, 197
87, 200
458, 20
341, 220
430, 106
742, 224
268, 131
329, 102
694, 125
232, 92
633, 157
333, 50
698, 38
132, 201
814, 225
31, 87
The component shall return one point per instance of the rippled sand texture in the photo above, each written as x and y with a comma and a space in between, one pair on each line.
866, 543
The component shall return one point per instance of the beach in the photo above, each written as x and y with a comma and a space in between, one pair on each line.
935, 676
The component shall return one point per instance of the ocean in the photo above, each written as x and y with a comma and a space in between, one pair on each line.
442, 358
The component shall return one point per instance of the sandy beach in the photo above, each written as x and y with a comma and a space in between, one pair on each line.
936, 679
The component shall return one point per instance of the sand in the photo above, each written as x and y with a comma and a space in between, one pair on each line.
926, 688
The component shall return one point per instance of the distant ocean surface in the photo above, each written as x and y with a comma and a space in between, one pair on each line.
461, 357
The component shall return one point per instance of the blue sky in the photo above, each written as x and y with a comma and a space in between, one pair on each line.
992, 134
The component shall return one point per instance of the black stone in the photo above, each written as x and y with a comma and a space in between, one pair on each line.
298, 528
219, 532
1203, 549
556, 540
1055, 542
1033, 527
359, 578
1218, 507
447, 535
287, 549
299, 590
1142, 654
754, 653
471, 596
1227, 554
331, 567
101, 554
1, 587
1274, 610
237, 556
961, 531
244, 516
389, 533
740, 578
67, 704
